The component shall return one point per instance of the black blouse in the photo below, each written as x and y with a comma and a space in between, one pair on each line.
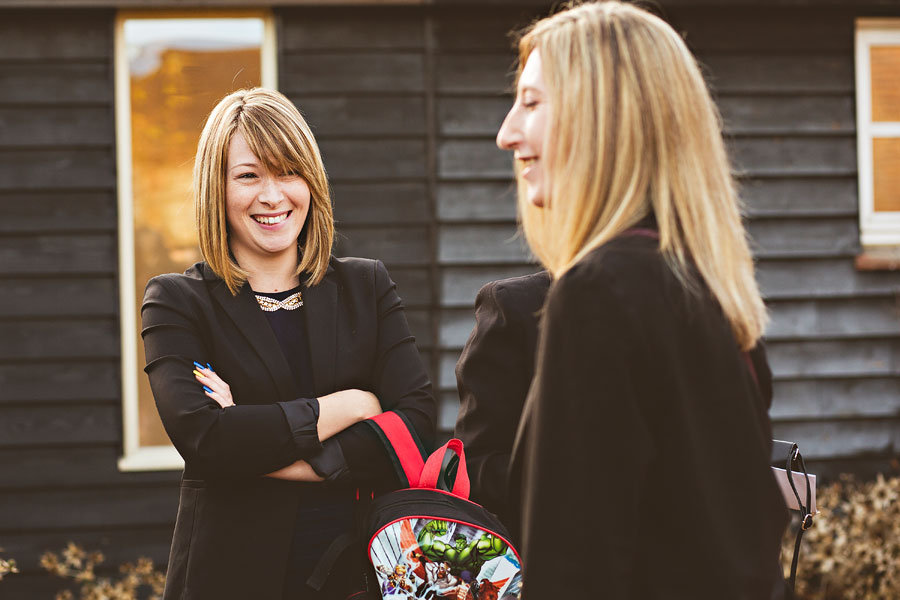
325, 510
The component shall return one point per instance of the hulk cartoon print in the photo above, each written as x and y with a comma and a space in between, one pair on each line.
462, 554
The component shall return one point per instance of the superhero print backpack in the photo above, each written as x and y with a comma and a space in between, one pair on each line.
429, 541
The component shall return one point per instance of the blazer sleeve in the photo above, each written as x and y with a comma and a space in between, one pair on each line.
493, 376
243, 440
588, 447
401, 384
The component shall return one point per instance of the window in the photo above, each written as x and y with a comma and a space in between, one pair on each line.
878, 133
170, 71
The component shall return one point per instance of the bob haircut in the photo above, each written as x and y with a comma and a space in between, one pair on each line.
281, 139
635, 131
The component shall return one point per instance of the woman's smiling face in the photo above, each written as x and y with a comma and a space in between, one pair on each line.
525, 129
265, 211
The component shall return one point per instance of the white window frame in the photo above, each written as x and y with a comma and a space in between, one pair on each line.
136, 457
882, 228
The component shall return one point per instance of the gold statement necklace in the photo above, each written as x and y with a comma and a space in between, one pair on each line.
292, 302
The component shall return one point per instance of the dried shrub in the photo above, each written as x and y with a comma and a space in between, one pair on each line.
76, 564
852, 551
7, 566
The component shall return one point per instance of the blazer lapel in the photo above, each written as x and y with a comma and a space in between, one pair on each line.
250, 320
320, 307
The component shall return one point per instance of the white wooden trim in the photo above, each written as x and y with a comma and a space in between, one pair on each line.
152, 458
882, 228
136, 457
127, 299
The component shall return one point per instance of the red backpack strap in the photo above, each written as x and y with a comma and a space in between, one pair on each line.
399, 438
435, 465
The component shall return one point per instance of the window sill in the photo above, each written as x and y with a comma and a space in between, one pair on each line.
878, 258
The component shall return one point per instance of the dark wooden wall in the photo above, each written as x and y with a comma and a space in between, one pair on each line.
405, 103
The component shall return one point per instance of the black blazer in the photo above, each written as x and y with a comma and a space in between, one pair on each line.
643, 452
493, 375
234, 527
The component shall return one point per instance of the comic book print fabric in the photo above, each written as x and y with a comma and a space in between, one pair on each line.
421, 558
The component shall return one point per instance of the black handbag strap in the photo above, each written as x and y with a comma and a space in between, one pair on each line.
806, 520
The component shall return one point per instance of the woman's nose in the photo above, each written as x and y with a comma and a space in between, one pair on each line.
509, 135
271, 192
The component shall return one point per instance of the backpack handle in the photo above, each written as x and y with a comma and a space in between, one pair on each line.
435, 465
402, 445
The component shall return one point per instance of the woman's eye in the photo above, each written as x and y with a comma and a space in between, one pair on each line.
247, 176
530, 104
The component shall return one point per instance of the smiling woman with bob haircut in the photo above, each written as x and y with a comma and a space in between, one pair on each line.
642, 455
265, 358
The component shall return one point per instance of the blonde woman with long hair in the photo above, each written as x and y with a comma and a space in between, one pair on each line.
264, 360
642, 455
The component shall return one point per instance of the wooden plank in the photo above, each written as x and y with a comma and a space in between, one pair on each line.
448, 410
353, 160
23, 426
456, 325
61, 381
57, 254
73, 170
804, 237
446, 381
835, 398
784, 75
62, 211
60, 34
748, 29
380, 203
841, 439
117, 545
473, 159
352, 73
420, 326
845, 318
479, 244
405, 246
818, 278
413, 285
93, 296
84, 126
482, 201
358, 116
88, 509
460, 73
472, 116
785, 156
492, 31
49, 84
381, 28
782, 156
459, 285
59, 339
755, 115
846, 358
800, 196
65, 467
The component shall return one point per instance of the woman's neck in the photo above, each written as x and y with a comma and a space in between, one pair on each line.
270, 273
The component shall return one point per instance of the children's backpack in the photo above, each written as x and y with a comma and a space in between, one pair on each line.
428, 540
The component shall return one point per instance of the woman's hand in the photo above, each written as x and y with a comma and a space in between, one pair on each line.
213, 385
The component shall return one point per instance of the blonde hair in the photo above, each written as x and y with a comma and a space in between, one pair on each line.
281, 139
635, 131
